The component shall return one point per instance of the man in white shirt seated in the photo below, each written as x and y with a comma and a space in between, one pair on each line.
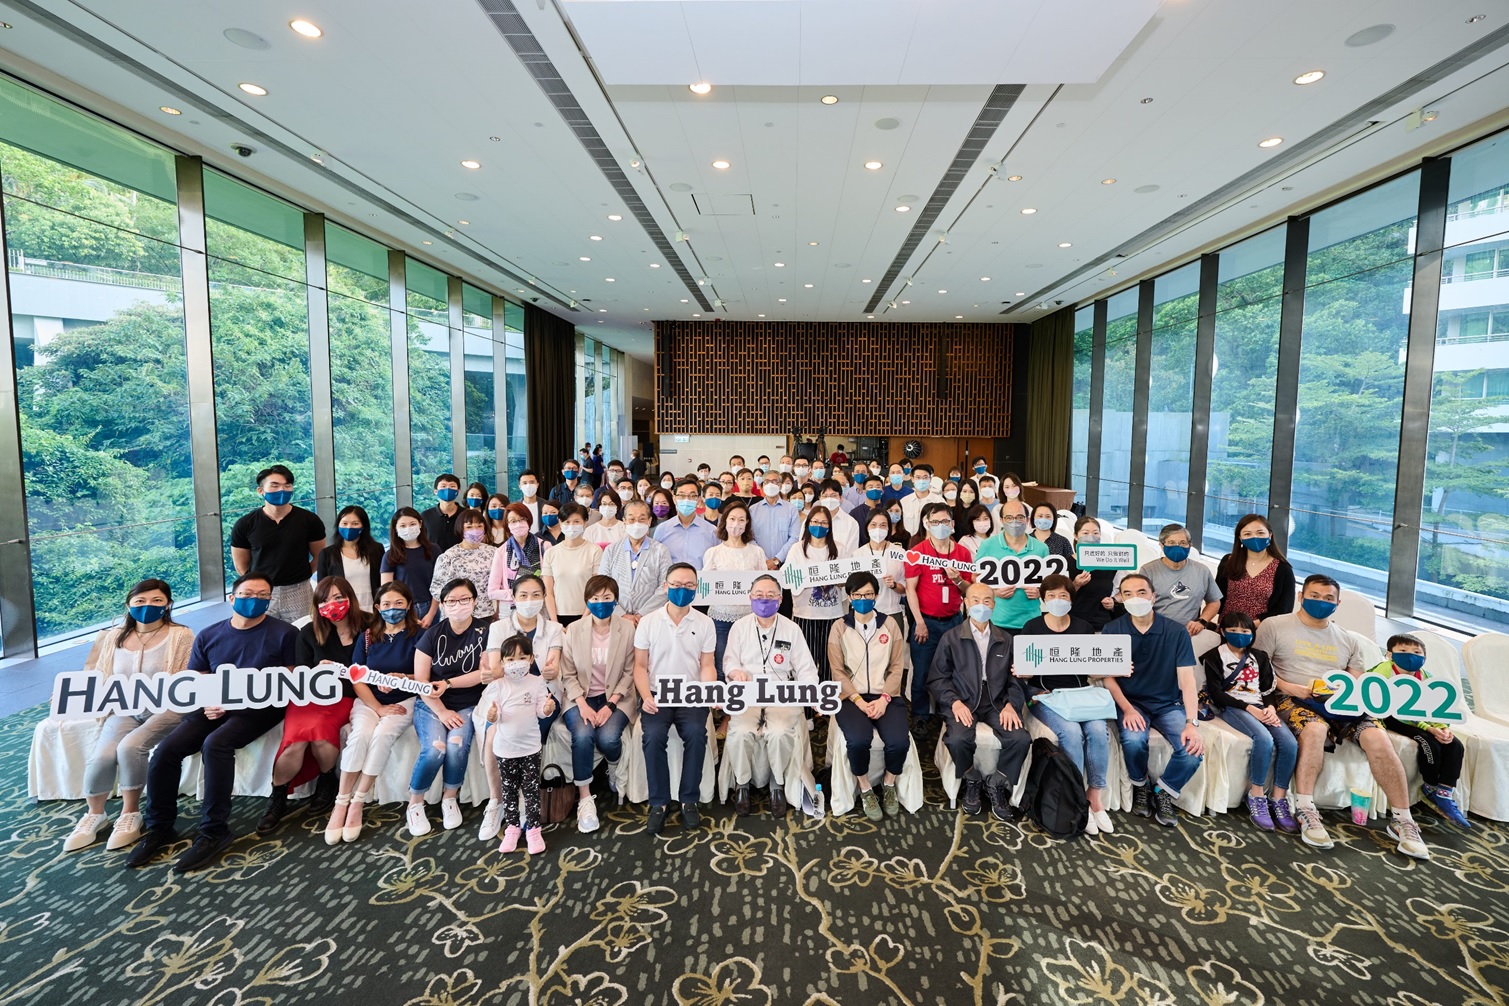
766, 644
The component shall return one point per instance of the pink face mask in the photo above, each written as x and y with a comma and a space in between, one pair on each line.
518, 528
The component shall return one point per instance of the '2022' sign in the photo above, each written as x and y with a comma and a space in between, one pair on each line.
1026, 571
1401, 697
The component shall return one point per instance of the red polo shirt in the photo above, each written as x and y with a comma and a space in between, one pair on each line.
937, 595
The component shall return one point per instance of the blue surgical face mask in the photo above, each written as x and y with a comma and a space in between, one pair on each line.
1176, 553
1238, 640
862, 605
349, 533
896, 480
147, 614
712, 502
979, 469
475, 502
447, 494
818, 531
874, 494
251, 607
601, 609
1256, 544
278, 498
686, 507
895, 517
1318, 609
393, 615
681, 596
980, 612
1043, 523
570, 474
1411, 662
550, 519
496, 513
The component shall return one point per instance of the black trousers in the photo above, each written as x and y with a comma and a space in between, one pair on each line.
216, 742
1440, 764
859, 732
960, 741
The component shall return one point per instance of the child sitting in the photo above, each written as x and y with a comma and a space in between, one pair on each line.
515, 702
1440, 754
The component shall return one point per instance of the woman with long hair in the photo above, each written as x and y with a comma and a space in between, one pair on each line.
1254, 577
410, 559
354, 554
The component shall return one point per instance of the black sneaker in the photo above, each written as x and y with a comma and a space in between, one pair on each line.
1142, 801
323, 799
777, 800
656, 822
202, 853
972, 796
1000, 803
689, 816
147, 848
1163, 807
741, 802
277, 806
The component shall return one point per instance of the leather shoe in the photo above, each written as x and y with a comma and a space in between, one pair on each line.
690, 819
202, 853
152, 842
777, 800
656, 821
741, 802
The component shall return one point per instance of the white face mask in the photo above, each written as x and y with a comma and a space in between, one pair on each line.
1012, 492
515, 670
988, 493
982, 527
528, 491
939, 531
626, 494
528, 609
636, 530
608, 510
1137, 606
879, 534
785, 469
584, 501
831, 503
409, 533
572, 530
950, 497
802, 473
1057, 606
772, 489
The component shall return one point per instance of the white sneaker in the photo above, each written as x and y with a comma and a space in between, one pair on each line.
450, 813
85, 833
1102, 821
126, 831
586, 814
1312, 831
419, 821
1091, 827
1407, 834
492, 819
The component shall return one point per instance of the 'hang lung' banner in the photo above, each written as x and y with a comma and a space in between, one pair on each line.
737, 696
798, 575
1100, 656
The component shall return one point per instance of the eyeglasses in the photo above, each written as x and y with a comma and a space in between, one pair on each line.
683, 585
458, 602
868, 595
259, 595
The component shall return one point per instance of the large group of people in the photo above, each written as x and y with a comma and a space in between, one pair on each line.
578, 602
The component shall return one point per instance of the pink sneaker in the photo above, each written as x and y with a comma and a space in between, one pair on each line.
536, 841
510, 841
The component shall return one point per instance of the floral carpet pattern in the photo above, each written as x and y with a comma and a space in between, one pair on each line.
933, 908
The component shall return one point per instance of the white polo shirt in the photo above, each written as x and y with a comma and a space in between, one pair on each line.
675, 650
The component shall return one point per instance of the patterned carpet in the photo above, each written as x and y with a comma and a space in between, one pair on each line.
928, 909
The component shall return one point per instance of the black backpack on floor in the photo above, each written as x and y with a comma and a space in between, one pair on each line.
1055, 793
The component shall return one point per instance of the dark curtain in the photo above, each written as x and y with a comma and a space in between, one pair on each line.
549, 362
1050, 398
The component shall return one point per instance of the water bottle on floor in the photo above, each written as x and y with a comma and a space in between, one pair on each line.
820, 803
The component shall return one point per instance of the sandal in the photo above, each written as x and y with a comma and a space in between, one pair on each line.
334, 831
351, 832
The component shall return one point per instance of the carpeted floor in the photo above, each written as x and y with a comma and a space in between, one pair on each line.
932, 908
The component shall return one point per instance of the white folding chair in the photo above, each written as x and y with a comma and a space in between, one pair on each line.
845, 792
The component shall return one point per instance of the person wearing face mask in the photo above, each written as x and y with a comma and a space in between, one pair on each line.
615, 474
712, 502
595, 466
865, 655
922, 496
977, 520
788, 485
475, 496
762, 464
568, 567
1255, 578
522, 554
1239, 687
955, 475
638, 564
608, 530
735, 551
1094, 590
845, 528
311, 741
673, 641
379, 716
1011, 487
667, 481
970, 681
815, 609
597, 672
950, 496
642, 489
249, 638
897, 486
854, 488
1186, 590
767, 740
662, 507
981, 470
496, 512
583, 499
776, 523
1160, 694
686, 537
935, 596
529, 498
281, 540
890, 599
354, 554
148, 642
410, 559
1305, 646
968, 499
990, 495
745, 486
550, 524
565, 490
838, 457
704, 474
801, 473
1439, 753
1017, 603
1087, 741
623, 491
450, 655
513, 703
785, 465
472, 559
440, 520
871, 500
1044, 519
898, 530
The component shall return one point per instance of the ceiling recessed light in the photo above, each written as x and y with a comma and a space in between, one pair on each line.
869, 317
5, 24
615, 217
760, 316
696, 314
1013, 178
780, 300
1472, 20
721, 164
685, 301
943, 291
602, 310
958, 317
584, 258
1309, 76
306, 28
654, 265
609, 279
1065, 244
1108, 181
1020, 294
700, 88
496, 139
428, 242
169, 109
864, 281
811, 244
594, 237
807, 285
906, 302
984, 279
1272, 141
1430, 116
873, 165
473, 165
256, 89
903, 208
464, 223
780, 265
1145, 101
829, 99
1027, 211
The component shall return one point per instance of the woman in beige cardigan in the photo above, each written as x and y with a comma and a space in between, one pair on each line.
149, 642
597, 671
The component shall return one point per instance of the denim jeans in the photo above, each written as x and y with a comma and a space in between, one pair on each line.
691, 726
440, 746
1134, 744
1266, 742
1087, 744
922, 659
586, 738
721, 629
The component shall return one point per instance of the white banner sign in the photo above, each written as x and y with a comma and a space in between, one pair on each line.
80, 694
1019, 571
799, 575
1106, 556
1092, 656
917, 558
358, 673
737, 696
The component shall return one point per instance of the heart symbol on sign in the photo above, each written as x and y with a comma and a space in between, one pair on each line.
913, 556
357, 672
